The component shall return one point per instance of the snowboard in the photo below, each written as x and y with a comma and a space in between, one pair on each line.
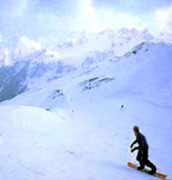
157, 174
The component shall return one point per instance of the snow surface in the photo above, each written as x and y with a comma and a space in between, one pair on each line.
74, 127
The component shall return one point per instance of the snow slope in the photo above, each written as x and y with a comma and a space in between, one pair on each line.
74, 127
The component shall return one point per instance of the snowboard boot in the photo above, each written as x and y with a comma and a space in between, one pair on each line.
153, 171
140, 168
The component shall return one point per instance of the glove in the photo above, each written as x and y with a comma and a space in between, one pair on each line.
132, 150
136, 148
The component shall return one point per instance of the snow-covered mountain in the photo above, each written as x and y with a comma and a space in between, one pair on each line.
75, 122
119, 42
77, 47
27, 60
146, 65
24, 74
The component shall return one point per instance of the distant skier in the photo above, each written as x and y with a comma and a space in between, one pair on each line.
122, 106
142, 148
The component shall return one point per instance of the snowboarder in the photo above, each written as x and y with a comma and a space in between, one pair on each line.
142, 148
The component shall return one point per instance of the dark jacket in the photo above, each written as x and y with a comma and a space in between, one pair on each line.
142, 142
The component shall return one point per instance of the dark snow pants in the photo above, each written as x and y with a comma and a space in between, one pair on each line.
142, 157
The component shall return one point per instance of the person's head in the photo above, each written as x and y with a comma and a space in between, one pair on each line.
136, 130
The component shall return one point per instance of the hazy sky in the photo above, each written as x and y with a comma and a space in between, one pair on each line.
48, 18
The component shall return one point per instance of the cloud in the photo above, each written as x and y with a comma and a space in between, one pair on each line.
163, 19
1, 38
93, 19
20, 9
34, 17
133, 6
58, 7
26, 45
54, 20
13, 9
117, 20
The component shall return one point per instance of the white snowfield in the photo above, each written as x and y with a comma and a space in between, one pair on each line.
79, 127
